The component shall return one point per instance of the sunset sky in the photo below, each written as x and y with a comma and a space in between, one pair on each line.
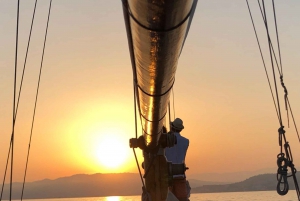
85, 101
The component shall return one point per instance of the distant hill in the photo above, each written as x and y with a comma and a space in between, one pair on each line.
264, 182
125, 184
231, 177
82, 185
197, 183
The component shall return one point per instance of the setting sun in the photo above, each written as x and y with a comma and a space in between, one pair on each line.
111, 149
112, 152
112, 198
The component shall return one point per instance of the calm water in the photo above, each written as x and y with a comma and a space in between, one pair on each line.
244, 196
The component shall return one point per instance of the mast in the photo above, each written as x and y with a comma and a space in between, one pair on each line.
156, 31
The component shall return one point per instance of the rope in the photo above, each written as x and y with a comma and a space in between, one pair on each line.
136, 132
19, 95
169, 109
173, 103
135, 117
262, 57
275, 21
138, 165
5, 170
156, 95
14, 99
264, 20
272, 64
36, 97
284, 160
280, 71
293, 118
287, 105
288, 161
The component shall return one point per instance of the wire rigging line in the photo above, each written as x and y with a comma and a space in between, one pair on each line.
169, 110
173, 103
272, 64
36, 97
135, 116
7, 160
288, 102
284, 160
19, 95
14, 101
138, 165
264, 19
262, 57
275, 21
281, 74
135, 123
280, 71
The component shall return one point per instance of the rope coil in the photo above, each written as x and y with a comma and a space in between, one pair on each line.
285, 160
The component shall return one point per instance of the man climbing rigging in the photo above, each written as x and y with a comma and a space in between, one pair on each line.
176, 155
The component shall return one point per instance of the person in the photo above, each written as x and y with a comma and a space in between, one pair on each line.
176, 155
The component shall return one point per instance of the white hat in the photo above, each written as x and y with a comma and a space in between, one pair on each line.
177, 124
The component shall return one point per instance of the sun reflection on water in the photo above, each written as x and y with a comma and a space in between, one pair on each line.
113, 198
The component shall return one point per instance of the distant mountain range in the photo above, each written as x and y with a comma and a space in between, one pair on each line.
125, 184
231, 177
264, 182
80, 185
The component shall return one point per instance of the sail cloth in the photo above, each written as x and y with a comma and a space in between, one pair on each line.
156, 33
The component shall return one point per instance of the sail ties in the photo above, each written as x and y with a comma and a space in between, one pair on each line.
189, 14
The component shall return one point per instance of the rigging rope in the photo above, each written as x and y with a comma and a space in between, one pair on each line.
287, 105
283, 160
36, 97
136, 132
19, 95
169, 109
282, 166
14, 99
262, 57
272, 64
280, 71
275, 21
173, 103
5, 171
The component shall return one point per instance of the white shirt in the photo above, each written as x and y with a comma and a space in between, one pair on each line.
177, 153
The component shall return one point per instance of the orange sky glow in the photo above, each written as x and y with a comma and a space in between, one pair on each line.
85, 111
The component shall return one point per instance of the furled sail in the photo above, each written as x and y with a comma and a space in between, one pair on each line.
156, 32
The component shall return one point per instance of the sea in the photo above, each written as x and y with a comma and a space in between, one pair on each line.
232, 196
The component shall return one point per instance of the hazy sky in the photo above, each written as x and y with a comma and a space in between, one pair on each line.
86, 95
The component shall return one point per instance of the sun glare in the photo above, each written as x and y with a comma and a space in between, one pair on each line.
113, 198
112, 151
